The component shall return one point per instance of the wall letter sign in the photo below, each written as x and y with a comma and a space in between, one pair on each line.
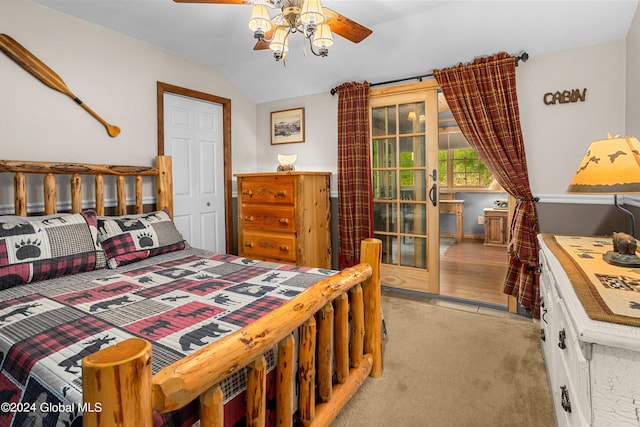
564, 97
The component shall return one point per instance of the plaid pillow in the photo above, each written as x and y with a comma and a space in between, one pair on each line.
127, 239
40, 248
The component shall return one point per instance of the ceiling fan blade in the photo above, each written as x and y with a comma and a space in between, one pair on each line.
261, 44
345, 27
214, 1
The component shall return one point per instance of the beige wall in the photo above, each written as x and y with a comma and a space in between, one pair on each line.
113, 74
633, 78
319, 151
556, 136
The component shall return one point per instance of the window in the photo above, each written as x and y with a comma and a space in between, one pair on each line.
459, 165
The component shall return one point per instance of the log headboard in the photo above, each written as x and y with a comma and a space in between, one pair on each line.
161, 172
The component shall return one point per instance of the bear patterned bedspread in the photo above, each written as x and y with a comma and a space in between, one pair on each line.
180, 301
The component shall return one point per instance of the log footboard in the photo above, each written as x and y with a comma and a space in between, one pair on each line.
335, 357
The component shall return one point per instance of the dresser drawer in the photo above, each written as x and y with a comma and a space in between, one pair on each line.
273, 189
568, 409
274, 246
572, 359
271, 217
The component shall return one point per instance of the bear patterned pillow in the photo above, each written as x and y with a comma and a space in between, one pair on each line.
132, 238
40, 248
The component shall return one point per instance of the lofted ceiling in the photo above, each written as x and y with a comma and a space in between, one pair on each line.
409, 37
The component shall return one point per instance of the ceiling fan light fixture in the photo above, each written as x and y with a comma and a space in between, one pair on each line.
314, 22
323, 37
280, 43
311, 14
260, 21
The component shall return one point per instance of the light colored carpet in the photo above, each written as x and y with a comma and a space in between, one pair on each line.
449, 367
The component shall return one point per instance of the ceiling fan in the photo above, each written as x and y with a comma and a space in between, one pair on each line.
307, 17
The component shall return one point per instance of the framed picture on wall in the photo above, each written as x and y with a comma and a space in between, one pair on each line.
287, 126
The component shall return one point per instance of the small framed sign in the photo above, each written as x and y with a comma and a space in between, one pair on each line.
287, 126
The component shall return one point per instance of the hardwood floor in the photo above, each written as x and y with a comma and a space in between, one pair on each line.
473, 271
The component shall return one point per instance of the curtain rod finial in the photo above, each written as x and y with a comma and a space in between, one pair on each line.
524, 57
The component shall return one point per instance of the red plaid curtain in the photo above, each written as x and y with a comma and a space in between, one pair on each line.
355, 197
482, 97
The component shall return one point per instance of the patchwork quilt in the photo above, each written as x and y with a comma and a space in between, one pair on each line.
180, 301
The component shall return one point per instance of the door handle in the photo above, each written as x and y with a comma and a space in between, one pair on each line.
433, 194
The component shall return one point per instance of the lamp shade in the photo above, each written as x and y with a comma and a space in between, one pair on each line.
610, 166
323, 37
280, 42
260, 19
311, 13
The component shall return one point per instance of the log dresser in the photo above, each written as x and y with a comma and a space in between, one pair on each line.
590, 336
285, 217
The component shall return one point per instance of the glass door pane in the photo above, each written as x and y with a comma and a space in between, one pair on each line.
399, 182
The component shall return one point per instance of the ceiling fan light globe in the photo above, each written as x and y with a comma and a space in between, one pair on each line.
260, 19
323, 37
280, 42
311, 13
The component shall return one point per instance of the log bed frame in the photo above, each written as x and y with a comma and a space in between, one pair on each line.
336, 351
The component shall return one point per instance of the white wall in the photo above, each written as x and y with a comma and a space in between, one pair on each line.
556, 136
113, 74
633, 78
319, 152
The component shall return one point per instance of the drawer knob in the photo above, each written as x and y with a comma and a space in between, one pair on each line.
281, 193
249, 244
564, 398
248, 193
248, 218
284, 248
284, 221
562, 336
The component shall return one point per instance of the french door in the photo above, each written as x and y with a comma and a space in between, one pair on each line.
404, 147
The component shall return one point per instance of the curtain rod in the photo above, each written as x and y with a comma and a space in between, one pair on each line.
524, 56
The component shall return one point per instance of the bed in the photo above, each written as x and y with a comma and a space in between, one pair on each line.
223, 340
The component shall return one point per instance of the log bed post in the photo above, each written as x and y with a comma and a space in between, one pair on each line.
99, 189
164, 184
371, 253
50, 194
20, 194
76, 193
116, 390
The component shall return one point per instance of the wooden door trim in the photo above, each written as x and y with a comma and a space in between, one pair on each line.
163, 88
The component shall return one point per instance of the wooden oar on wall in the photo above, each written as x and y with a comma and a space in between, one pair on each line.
21, 56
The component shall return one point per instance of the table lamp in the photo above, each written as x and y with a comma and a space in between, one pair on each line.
612, 166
